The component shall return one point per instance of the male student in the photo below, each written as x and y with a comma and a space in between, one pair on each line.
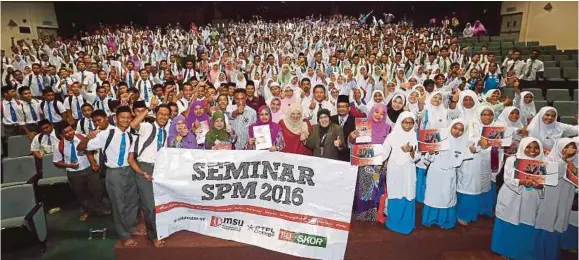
74, 102
152, 137
117, 143
100, 100
145, 86
35, 81
346, 121
30, 110
12, 116
85, 125
83, 182
43, 142
53, 110
317, 102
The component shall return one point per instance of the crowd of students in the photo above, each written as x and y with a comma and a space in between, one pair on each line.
108, 102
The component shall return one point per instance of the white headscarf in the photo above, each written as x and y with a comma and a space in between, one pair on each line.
504, 118
398, 137
468, 114
413, 107
528, 111
437, 115
372, 102
457, 146
546, 133
524, 143
556, 154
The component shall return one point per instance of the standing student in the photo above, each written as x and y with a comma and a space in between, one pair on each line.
517, 205
74, 102
120, 178
399, 150
30, 110
545, 127
440, 194
43, 142
371, 179
85, 124
83, 181
555, 207
152, 137
12, 116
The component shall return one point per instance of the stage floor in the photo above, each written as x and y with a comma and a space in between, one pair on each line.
365, 241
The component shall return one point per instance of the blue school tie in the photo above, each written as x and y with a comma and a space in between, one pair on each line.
49, 111
90, 126
146, 91
13, 113
78, 111
130, 80
159, 139
50, 140
34, 116
73, 157
121, 159
40, 86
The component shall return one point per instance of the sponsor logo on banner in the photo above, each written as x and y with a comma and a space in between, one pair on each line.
303, 238
188, 218
266, 231
226, 223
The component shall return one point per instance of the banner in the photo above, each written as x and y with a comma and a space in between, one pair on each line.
294, 204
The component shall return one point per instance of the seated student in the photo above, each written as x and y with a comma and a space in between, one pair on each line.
53, 110
100, 100
74, 102
85, 124
152, 137
30, 110
84, 183
43, 142
120, 181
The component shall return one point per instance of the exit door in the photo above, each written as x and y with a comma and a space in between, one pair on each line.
511, 26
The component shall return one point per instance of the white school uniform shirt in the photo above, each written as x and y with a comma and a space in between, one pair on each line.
145, 85
63, 87
149, 154
515, 203
84, 125
518, 67
403, 183
312, 115
49, 106
27, 111
50, 81
7, 116
78, 76
83, 162
532, 67
32, 81
182, 104
113, 151
47, 144
72, 105
93, 83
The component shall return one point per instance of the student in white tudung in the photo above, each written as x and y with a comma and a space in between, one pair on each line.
74, 102
152, 137
83, 181
517, 205
117, 143
554, 209
545, 128
474, 191
440, 196
569, 237
399, 148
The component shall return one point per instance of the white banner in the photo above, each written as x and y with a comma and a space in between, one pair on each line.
294, 204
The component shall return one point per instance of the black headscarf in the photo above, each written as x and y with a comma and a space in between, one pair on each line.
393, 114
323, 130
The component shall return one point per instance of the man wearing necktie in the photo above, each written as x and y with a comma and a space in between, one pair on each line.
11, 114
120, 178
145, 153
83, 181
346, 121
30, 110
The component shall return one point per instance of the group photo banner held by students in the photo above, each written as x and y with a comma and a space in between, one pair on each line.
294, 204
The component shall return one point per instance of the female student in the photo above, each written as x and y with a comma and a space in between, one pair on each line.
370, 184
545, 127
295, 130
555, 208
474, 194
518, 201
440, 195
511, 118
264, 119
399, 150
220, 137
395, 108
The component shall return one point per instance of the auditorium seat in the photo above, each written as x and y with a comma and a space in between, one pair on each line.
537, 92
520, 45
496, 38
508, 92
545, 57
568, 64
565, 108
50, 173
494, 45
575, 57
553, 76
20, 210
533, 44
558, 94
575, 94
540, 103
549, 49
550, 63
561, 57
18, 145
570, 73
569, 120
18, 170
506, 45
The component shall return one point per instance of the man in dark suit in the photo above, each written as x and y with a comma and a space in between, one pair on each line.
346, 121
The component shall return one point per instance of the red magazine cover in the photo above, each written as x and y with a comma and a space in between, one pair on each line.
530, 171
365, 129
494, 135
429, 139
366, 154
571, 174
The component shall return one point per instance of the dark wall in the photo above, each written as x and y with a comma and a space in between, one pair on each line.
87, 15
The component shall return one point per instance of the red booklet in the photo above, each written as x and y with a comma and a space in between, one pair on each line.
429, 139
366, 154
365, 129
494, 135
571, 174
531, 171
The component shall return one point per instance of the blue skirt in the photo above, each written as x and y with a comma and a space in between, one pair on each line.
401, 215
468, 207
488, 201
444, 218
513, 241
547, 245
420, 184
569, 238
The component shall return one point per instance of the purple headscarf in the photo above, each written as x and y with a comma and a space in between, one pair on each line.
273, 127
379, 129
187, 142
191, 118
478, 28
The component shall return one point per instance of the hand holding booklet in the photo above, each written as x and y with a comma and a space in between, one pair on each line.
262, 135
536, 171
364, 129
